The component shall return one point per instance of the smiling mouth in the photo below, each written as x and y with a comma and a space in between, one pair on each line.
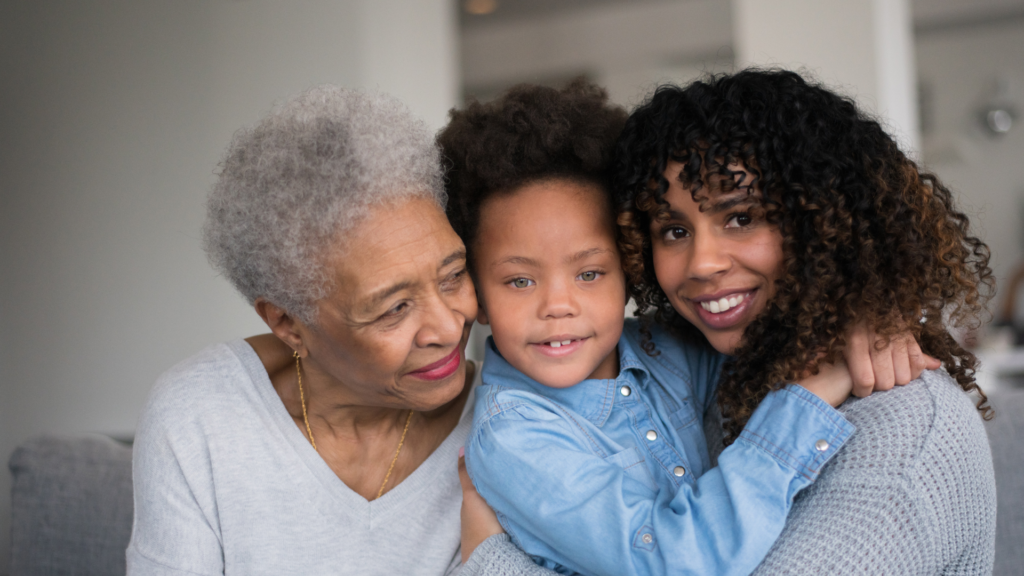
442, 368
724, 304
560, 345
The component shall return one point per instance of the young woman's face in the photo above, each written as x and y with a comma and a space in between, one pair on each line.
717, 267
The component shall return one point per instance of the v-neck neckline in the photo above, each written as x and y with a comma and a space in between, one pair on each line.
444, 456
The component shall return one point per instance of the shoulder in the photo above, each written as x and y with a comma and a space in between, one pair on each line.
919, 459
212, 377
674, 358
496, 402
899, 426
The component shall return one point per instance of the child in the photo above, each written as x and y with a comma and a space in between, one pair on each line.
591, 451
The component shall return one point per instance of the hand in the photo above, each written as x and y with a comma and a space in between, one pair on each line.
479, 522
876, 369
832, 383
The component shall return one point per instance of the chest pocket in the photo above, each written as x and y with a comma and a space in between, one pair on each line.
634, 467
681, 414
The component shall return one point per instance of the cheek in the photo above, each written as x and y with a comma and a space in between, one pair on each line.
669, 269
766, 257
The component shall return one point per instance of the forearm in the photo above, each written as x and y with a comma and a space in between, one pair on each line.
498, 556
598, 515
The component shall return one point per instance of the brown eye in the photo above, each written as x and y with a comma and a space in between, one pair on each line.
588, 276
522, 282
674, 233
740, 220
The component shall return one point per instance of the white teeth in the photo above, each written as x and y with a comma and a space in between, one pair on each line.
559, 344
723, 304
555, 344
566, 342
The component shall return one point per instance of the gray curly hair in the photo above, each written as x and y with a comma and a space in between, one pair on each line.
290, 187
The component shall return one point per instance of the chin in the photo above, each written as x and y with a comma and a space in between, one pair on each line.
440, 392
556, 379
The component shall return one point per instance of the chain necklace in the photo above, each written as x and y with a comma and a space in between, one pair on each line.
305, 419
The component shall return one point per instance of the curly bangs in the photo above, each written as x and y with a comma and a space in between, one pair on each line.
867, 236
530, 133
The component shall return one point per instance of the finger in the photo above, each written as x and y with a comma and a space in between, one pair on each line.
918, 362
932, 363
901, 363
858, 360
467, 484
881, 362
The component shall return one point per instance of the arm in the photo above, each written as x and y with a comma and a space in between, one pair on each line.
174, 529
486, 549
597, 514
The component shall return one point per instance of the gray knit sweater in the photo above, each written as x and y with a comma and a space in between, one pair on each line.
912, 492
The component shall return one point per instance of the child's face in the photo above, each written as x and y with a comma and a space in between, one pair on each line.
550, 282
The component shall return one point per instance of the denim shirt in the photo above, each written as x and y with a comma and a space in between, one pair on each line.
612, 476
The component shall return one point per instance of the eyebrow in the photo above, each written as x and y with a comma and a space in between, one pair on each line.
584, 254
731, 203
383, 294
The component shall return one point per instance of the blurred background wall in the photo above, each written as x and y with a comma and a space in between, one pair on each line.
113, 115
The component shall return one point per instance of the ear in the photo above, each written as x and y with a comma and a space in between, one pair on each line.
281, 324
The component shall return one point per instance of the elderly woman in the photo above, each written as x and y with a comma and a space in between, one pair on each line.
330, 446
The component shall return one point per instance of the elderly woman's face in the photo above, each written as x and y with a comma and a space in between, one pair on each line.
394, 331
718, 266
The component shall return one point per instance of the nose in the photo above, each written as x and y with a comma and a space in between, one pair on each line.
709, 256
559, 301
444, 320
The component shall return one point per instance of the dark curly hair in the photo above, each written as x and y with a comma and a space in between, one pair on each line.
866, 235
528, 134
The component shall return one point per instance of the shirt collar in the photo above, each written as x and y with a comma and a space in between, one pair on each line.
592, 399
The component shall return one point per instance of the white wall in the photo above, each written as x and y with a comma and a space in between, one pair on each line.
862, 48
114, 114
628, 48
957, 68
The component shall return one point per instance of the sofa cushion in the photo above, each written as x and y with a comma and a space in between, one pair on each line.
71, 506
1006, 436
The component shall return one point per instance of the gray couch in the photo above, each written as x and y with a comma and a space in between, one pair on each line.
72, 500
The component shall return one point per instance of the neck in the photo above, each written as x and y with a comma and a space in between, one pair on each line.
333, 408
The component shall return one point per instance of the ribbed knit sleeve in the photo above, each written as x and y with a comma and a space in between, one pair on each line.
498, 556
912, 492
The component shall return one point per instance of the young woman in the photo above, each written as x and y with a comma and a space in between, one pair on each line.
764, 216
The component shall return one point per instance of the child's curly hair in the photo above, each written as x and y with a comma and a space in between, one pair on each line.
528, 134
866, 235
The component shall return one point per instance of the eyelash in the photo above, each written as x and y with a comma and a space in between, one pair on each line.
449, 284
596, 274
730, 218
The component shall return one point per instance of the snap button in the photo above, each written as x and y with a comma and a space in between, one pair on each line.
652, 435
625, 391
679, 470
647, 538
821, 445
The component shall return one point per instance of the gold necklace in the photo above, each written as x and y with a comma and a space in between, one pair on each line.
305, 419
